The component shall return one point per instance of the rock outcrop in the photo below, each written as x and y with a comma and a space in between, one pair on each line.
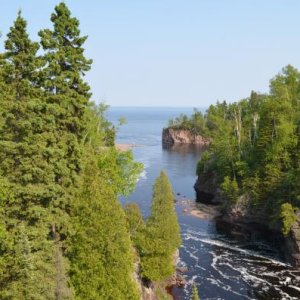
207, 190
241, 216
149, 290
292, 243
172, 136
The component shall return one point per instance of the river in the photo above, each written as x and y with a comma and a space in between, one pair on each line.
222, 265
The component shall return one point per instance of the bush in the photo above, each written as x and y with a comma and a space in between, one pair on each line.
202, 163
230, 189
288, 217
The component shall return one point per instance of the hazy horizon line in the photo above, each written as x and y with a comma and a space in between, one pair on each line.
148, 106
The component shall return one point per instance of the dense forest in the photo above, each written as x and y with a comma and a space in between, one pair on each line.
195, 123
254, 149
63, 232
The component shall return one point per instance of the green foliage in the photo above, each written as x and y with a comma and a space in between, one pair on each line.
27, 185
66, 95
195, 295
97, 126
100, 249
63, 233
203, 162
288, 217
156, 240
162, 236
136, 225
196, 123
161, 292
125, 175
230, 189
255, 146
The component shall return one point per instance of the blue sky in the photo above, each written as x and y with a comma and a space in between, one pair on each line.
176, 53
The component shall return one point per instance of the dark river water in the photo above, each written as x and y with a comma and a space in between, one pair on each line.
222, 265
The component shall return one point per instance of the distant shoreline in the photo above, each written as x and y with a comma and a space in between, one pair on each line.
126, 147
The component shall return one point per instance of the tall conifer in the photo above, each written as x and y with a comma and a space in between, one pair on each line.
162, 236
67, 97
100, 250
27, 173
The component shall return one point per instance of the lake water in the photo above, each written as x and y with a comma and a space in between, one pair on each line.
222, 265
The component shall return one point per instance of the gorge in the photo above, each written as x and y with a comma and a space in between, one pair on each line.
228, 264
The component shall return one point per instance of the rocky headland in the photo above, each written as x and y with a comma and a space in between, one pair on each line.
172, 137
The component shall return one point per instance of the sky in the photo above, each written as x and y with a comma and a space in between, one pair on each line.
176, 53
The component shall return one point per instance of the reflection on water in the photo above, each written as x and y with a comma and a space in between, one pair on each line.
224, 264
184, 149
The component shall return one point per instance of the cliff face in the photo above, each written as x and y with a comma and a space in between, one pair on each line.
207, 190
173, 136
292, 243
241, 215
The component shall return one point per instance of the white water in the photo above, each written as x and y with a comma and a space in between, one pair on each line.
223, 267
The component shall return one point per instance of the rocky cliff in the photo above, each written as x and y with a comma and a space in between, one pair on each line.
292, 243
175, 136
240, 215
207, 190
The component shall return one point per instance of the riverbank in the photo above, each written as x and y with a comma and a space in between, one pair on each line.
246, 220
199, 210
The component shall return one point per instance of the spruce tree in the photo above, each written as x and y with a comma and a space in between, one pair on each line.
100, 255
67, 96
24, 165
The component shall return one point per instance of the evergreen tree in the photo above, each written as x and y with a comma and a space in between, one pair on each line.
67, 96
162, 236
60, 174
23, 164
255, 150
136, 225
195, 295
100, 250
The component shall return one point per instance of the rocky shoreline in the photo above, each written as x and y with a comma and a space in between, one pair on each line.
241, 217
199, 210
